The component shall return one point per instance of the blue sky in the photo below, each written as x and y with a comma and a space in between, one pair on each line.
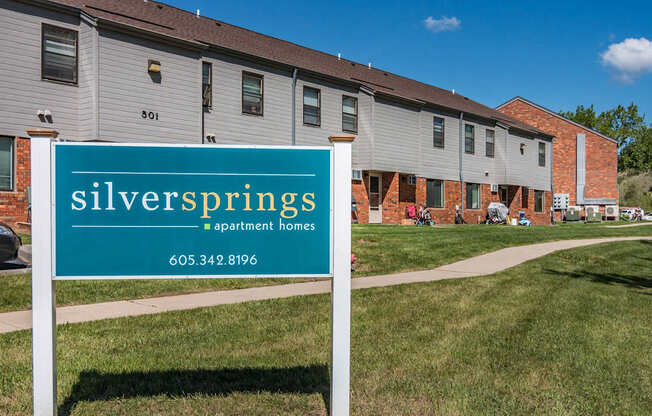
557, 53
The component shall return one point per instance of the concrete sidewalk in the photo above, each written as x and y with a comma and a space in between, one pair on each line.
638, 224
485, 264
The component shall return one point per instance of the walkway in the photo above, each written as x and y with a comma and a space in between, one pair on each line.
638, 224
485, 264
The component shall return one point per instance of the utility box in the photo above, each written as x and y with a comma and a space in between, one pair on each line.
573, 214
560, 201
593, 216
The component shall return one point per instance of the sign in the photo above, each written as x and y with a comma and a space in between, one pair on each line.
159, 211
126, 211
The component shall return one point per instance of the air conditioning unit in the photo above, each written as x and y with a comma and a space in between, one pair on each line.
494, 188
611, 211
594, 216
573, 213
590, 210
356, 174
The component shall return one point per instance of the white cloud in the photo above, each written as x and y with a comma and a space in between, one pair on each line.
630, 58
442, 25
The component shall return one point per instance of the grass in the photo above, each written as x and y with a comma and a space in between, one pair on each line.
380, 250
569, 333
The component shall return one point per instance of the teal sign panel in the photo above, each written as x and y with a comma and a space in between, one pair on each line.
155, 211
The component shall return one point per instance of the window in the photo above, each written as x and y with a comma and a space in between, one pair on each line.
542, 154
438, 132
356, 174
350, 114
59, 54
503, 194
311, 106
491, 138
412, 180
434, 193
525, 197
472, 196
469, 138
207, 84
252, 94
538, 201
6, 164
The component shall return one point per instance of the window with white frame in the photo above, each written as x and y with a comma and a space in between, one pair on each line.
349, 114
490, 146
311, 106
472, 196
412, 180
435, 193
469, 138
6, 164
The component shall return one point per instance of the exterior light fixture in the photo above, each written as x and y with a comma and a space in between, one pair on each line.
153, 66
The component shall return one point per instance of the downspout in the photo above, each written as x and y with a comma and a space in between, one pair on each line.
461, 142
294, 106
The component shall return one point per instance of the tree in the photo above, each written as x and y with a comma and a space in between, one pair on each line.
625, 125
621, 123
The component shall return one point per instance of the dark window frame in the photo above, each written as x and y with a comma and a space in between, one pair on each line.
75, 81
355, 100
466, 138
205, 105
12, 165
542, 155
525, 197
479, 188
305, 123
262, 93
543, 201
442, 200
487, 143
434, 132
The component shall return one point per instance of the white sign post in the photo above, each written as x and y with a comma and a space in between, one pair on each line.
341, 283
44, 274
44, 325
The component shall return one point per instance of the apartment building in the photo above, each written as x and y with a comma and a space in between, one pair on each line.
586, 161
143, 71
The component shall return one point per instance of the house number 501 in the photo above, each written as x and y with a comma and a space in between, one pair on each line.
149, 115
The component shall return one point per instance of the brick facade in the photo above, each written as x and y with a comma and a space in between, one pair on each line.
14, 205
601, 154
398, 193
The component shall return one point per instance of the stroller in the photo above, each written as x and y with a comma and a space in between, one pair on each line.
424, 218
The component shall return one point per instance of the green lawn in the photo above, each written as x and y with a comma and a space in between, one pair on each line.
567, 334
380, 249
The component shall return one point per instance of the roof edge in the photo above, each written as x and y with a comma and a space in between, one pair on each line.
542, 108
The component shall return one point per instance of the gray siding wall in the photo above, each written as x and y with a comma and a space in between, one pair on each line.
524, 169
331, 118
226, 120
88, 82
477, 167
437, 163
21, 88
396, 137
126, 89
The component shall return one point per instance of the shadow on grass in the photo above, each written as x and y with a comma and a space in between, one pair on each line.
96, 386
627, 280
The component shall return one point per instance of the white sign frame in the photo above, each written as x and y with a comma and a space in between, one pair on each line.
44, 283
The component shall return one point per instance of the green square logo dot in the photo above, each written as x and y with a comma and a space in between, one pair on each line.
207, 227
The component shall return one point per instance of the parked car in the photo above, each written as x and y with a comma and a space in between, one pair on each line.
9, 243
647, 217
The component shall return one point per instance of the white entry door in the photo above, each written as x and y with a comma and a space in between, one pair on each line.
375, 199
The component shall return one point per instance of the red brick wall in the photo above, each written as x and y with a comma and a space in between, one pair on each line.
601, 154
14, 204
359, 190
398, 194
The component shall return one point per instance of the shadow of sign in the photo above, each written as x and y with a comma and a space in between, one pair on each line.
97, 386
